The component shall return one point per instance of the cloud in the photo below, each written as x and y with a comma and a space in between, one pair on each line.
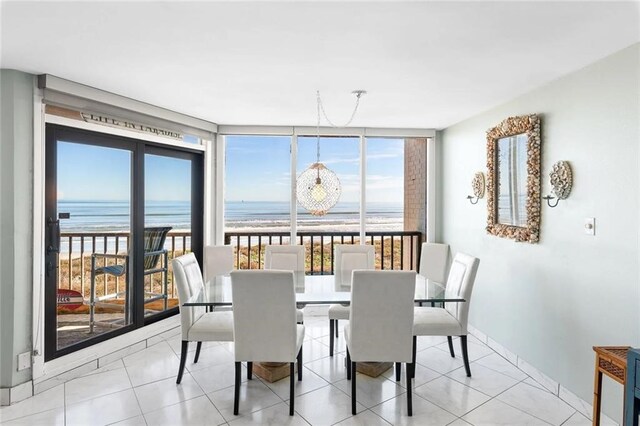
356, 160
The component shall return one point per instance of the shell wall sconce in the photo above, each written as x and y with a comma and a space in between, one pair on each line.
478, 185
561, 180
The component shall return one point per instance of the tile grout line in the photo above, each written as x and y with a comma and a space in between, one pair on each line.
64, 403
134, 393
491, 398
519, 409
251, 412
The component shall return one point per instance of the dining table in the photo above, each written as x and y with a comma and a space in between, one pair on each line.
316, 290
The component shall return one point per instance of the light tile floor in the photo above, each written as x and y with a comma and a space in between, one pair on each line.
140, 390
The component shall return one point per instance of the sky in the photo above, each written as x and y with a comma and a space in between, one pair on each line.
258, 167
90, 173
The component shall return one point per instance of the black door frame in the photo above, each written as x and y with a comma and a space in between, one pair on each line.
138, 149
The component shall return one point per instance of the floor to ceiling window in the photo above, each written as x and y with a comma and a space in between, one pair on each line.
385, 182
341, 223
117, 210
259, 183
385, 195
257, 208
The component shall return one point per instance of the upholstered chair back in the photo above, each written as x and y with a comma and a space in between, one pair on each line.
286, 258
188, 279
462, 275
264, 315
381, 318
349, 257
433, 261
218, 261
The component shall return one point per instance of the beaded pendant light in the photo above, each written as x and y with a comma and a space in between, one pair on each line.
318, 188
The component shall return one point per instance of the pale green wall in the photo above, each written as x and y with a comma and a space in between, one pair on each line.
16, 222
551, 302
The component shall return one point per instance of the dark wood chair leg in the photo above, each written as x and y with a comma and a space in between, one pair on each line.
236, 392
465, 355
398, 371
413, 362
348, 365
451, 351
300, 365
250, 370
197, 357
337, 327
183, 360
597, 396
409, 399
291, 387
353, 388
331, 327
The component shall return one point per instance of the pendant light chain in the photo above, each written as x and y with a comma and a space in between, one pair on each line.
358, 94
318, 107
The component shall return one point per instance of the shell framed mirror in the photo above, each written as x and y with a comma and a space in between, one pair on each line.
513, 179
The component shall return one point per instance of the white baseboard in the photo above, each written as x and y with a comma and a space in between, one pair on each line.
579, 404
17, 393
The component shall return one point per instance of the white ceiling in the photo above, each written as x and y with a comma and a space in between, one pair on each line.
425, 64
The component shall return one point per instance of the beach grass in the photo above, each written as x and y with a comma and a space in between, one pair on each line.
75, 273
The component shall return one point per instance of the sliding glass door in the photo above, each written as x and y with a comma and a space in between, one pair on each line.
116, 211
173, 196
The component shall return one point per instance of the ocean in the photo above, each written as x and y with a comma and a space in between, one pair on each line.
114, 216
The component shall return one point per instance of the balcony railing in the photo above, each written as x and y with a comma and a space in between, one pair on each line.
393, 250
74, 262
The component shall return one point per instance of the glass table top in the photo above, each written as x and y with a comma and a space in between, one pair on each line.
315, 290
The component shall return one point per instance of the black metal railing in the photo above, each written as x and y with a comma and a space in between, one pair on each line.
399, 250
76, 248
393, 250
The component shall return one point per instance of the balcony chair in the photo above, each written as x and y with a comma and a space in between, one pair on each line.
197, 325
218, 260
347, 257
286, 258
381, 324
452, 319
264, 312
154, 239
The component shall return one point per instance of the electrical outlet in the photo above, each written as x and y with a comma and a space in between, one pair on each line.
24, 361
590, 226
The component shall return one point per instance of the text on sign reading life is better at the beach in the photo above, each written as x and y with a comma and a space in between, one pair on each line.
115, 122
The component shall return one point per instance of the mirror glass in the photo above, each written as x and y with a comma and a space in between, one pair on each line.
512, 180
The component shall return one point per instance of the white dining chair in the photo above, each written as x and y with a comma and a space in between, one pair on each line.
218, 260
197, 325
434, 262
434, 259
381, 324
286, 258
347, 258
453, 318
264, 306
